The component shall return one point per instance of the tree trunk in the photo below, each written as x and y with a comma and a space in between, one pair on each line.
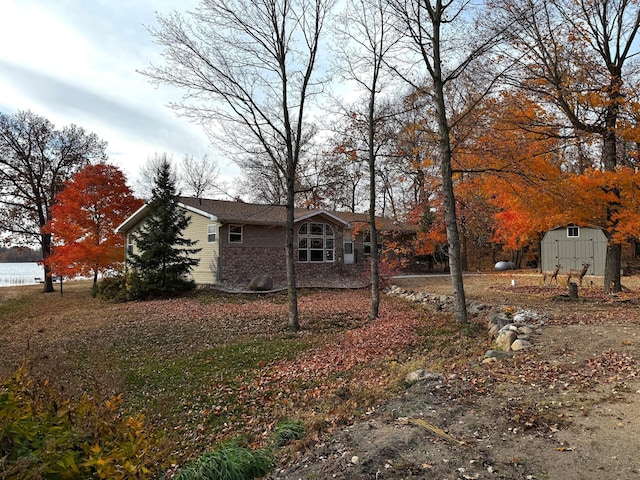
375, 281
294, 322
453, 236
45, 239
613, 262
453, 239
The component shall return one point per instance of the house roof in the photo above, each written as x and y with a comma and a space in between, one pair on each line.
226, 211
258, 214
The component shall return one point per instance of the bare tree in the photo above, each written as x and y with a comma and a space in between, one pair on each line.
366, 37
262, 181
35, 161
247, 70
440, 34
576, 55
199, 175
147, 173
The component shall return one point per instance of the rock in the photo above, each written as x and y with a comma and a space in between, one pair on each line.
355, 460
520, 344
261, 283
510, 327
502, 266
500, 318
497, 354
476, 308
525, 330
505, 338
493, 331
423, 375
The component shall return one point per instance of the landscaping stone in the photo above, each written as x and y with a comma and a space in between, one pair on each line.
261, 283
505, 338
512, 330
423, 375
497, 354
520, 344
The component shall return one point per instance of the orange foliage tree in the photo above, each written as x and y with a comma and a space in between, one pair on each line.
510, 163
610, 200
93, 203
508, 176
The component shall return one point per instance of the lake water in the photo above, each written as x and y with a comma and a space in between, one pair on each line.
25, 273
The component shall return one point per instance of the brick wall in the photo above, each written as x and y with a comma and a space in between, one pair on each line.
239, 265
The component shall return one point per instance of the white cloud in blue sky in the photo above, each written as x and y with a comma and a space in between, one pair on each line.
75, 61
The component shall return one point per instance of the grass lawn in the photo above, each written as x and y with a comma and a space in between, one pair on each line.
211, 366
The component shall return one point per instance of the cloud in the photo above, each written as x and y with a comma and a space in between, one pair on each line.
73, 61
75, 101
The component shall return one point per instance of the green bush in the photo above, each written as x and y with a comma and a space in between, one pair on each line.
133, 286
230, 461
113, 288
234, 461
286, 431
44, 436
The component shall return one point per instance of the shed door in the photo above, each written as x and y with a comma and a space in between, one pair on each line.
571, 254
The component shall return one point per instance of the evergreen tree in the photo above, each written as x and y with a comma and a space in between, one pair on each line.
164, 257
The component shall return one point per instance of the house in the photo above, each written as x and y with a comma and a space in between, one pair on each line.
573, 245
241, 240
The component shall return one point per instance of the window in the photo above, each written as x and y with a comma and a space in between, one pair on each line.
212, 230
316, 243
366, 242
573, 231
235, 233
129, 244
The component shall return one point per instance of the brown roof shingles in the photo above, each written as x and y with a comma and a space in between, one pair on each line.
257, 214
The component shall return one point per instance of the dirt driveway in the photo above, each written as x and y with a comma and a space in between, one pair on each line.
567, 409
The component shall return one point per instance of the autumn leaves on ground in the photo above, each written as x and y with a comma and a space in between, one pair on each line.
208, 367
213, 366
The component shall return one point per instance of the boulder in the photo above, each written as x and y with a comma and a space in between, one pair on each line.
505, 339
520, 344
423, 375
496, 354
500, 319
261, 283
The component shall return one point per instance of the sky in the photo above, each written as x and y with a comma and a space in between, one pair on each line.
76, 62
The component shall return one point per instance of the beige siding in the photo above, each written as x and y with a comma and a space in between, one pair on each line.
129, 238
206, 273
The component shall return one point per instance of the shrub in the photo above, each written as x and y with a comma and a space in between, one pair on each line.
286, 431
113, 288
230, 461
45, 436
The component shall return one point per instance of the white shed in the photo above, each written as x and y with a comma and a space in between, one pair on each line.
571, 246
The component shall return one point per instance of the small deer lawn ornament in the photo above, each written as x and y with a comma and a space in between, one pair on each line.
551, 275
578, 273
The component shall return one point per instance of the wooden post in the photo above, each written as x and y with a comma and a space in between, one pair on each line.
573, 291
